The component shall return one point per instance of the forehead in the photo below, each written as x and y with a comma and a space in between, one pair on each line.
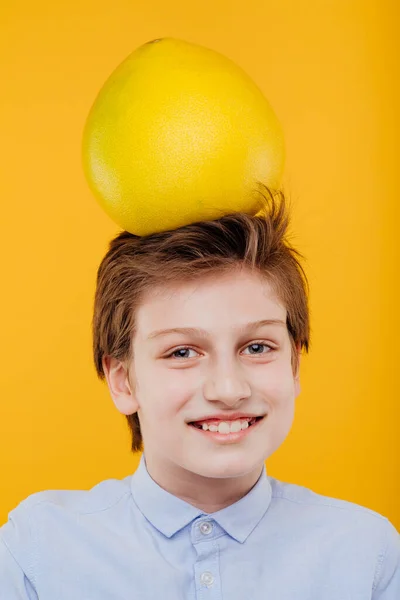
214, 303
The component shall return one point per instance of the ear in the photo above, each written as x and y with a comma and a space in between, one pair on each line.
116, 374
297, 386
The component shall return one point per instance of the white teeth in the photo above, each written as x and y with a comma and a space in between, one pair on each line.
225, 427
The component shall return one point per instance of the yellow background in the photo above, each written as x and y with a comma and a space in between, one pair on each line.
329, 70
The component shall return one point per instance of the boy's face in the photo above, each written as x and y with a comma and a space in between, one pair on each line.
220, 372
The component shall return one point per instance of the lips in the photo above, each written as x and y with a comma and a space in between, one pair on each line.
199, 424
227, 418
223, 434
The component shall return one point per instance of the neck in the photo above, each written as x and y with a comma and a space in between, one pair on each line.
209, 494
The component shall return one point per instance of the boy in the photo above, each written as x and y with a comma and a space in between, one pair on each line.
198, 332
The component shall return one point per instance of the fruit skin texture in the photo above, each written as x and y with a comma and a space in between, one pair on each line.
178, 134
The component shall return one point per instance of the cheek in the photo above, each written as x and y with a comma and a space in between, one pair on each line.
166, 397
160, 391
177, 393
279, 385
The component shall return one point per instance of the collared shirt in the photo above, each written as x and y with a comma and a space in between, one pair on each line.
129, 539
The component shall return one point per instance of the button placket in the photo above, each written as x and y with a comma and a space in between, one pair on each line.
204, 533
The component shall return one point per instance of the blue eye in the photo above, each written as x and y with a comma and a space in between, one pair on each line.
259, 344
184, 349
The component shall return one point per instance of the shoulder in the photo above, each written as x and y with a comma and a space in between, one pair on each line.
101, 496
38, 522
309, 501
359, 537
343, 521
41, 510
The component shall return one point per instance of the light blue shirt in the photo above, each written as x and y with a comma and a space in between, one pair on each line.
129, 539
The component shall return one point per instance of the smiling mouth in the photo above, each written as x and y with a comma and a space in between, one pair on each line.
251, 422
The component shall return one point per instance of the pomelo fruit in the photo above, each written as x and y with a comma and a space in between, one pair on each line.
177, 134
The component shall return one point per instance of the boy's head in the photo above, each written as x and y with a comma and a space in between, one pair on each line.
215, 276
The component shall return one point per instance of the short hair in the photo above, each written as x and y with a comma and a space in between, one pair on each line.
134, 265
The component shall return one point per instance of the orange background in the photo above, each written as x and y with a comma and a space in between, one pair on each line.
330, 71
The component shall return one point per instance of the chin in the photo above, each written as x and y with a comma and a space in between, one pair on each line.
227, 467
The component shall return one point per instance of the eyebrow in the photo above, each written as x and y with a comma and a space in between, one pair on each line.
204, 333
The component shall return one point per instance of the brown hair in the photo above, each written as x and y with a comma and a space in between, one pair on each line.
134, 265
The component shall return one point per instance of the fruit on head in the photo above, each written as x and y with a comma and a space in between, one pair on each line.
178, 134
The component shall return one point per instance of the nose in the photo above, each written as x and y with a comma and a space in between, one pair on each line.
226, 384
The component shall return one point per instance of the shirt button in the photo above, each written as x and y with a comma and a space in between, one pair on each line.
206, 528
207, 578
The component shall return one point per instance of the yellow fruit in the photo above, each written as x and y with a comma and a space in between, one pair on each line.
178, 134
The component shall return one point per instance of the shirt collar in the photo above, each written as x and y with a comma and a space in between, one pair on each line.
169, 514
